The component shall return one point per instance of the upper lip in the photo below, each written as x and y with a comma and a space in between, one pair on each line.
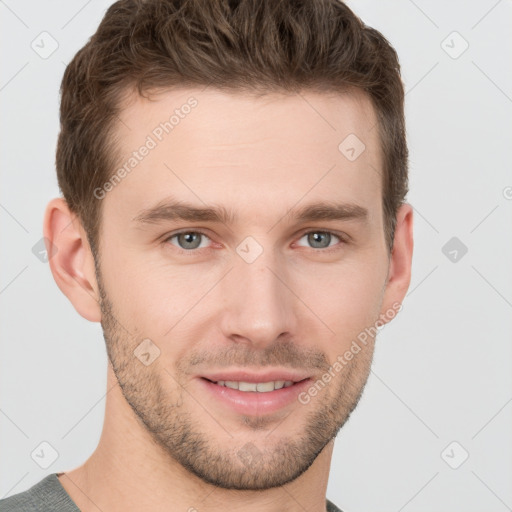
246, 376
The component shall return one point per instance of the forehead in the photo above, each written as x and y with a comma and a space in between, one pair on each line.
208, 146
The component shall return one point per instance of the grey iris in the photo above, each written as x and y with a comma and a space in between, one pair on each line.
192, 240
317, 236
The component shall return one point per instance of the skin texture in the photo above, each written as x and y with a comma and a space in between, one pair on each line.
297, 305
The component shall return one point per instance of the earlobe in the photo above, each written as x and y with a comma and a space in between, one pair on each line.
71, 260
399, 276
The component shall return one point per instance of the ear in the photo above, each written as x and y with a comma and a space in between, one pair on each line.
70, 258
399, 272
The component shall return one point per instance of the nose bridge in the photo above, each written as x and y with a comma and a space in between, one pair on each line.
258, 305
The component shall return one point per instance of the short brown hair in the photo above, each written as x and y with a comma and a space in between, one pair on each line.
234, 45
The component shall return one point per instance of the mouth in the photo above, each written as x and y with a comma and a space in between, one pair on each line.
258, 398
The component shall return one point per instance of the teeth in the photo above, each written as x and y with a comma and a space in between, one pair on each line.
261, 387
248, 386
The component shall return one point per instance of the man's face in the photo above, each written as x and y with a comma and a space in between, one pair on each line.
261, 291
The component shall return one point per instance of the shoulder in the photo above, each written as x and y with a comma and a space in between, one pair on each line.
47, 494
331, 507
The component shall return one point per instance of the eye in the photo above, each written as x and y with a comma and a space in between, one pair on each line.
321, 239
188, 240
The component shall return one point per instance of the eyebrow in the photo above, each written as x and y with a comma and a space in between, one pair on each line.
179, 210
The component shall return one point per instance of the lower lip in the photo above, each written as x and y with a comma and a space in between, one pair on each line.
255, 403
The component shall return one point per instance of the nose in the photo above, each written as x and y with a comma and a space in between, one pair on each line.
257, 306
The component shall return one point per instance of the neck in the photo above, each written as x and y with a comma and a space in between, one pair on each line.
130, 471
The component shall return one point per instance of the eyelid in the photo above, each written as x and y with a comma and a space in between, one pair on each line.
341, 235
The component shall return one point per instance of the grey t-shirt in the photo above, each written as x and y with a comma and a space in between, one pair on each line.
48, 495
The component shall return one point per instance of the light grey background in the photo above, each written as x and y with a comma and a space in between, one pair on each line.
442, 368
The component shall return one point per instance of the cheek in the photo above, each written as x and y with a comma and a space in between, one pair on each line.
346, 299
156, 301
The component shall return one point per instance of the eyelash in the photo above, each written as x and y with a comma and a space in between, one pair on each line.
192, 252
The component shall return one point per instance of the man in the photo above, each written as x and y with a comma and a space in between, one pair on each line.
234, 177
